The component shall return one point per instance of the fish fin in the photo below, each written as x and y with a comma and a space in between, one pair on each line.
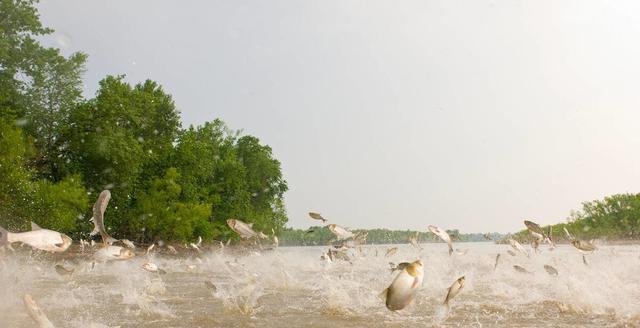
384, 293
415, 283
34, 226
4, 237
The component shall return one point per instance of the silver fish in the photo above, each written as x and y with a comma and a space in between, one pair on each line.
536, 231
551, 270
172, 249
442, 235
520, 269
61, 270
583, 245
497, 259
454, 290
211, 286
516, 245
317, 216
109, 253
391, 251
243, 229
510, 252
128, 243
36, 313
98, 217
403, 289
43, 239
340, 232
584, 260
150, 248
414, 241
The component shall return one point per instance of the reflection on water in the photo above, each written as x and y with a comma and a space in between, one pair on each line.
292, 287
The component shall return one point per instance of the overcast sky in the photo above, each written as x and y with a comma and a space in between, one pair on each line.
464, 114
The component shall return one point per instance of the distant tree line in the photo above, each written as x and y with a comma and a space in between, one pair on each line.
317, 236
59, 150
615, 217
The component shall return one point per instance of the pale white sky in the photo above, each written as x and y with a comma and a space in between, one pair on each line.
463, 114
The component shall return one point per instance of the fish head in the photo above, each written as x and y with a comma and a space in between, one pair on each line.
575, 243
126, 254
231, 223
461, 281
66, 242
415, 268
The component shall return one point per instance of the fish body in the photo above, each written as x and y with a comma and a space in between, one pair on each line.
454, 290
510, 252
110, 253
442, 235
36, 313
98, 217
584, 260
518, 247
128, 243
520, 269
338, 255
536, 231
317, 216
243, 229
340, 232
61, 270
391, 251
151, 267
583, 245
43, 239
497, 259
551, 270
403, 289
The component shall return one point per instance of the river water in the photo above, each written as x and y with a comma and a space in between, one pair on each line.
292, 287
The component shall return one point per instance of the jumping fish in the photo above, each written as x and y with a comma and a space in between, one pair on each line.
536, 231
243, 229
583, 246
128, 243
391, 251
150, 248
98, 217
403, 289
36, 313
454, 290
497, 259
413, 240
152, 267
551, 270
516, 245
43, 239
584, 260
109, 253
510, 252
520, 269
340, 232
61, 270
443, 235
317, 216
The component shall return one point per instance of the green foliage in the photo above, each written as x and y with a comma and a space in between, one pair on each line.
22, 199
615, 217
166, 183
162, 216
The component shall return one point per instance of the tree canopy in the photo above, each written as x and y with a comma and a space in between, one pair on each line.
58, 150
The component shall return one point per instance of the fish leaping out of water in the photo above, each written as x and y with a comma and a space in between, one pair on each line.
442, 235
98, 218
43, 239
403, 289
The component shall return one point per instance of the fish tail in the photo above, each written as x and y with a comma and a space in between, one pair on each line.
4, 237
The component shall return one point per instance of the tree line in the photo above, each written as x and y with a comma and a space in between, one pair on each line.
615, 217
58, 150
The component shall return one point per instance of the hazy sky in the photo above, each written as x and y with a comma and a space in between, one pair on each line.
464, 114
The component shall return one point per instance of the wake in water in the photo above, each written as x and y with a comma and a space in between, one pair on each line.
293, 287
